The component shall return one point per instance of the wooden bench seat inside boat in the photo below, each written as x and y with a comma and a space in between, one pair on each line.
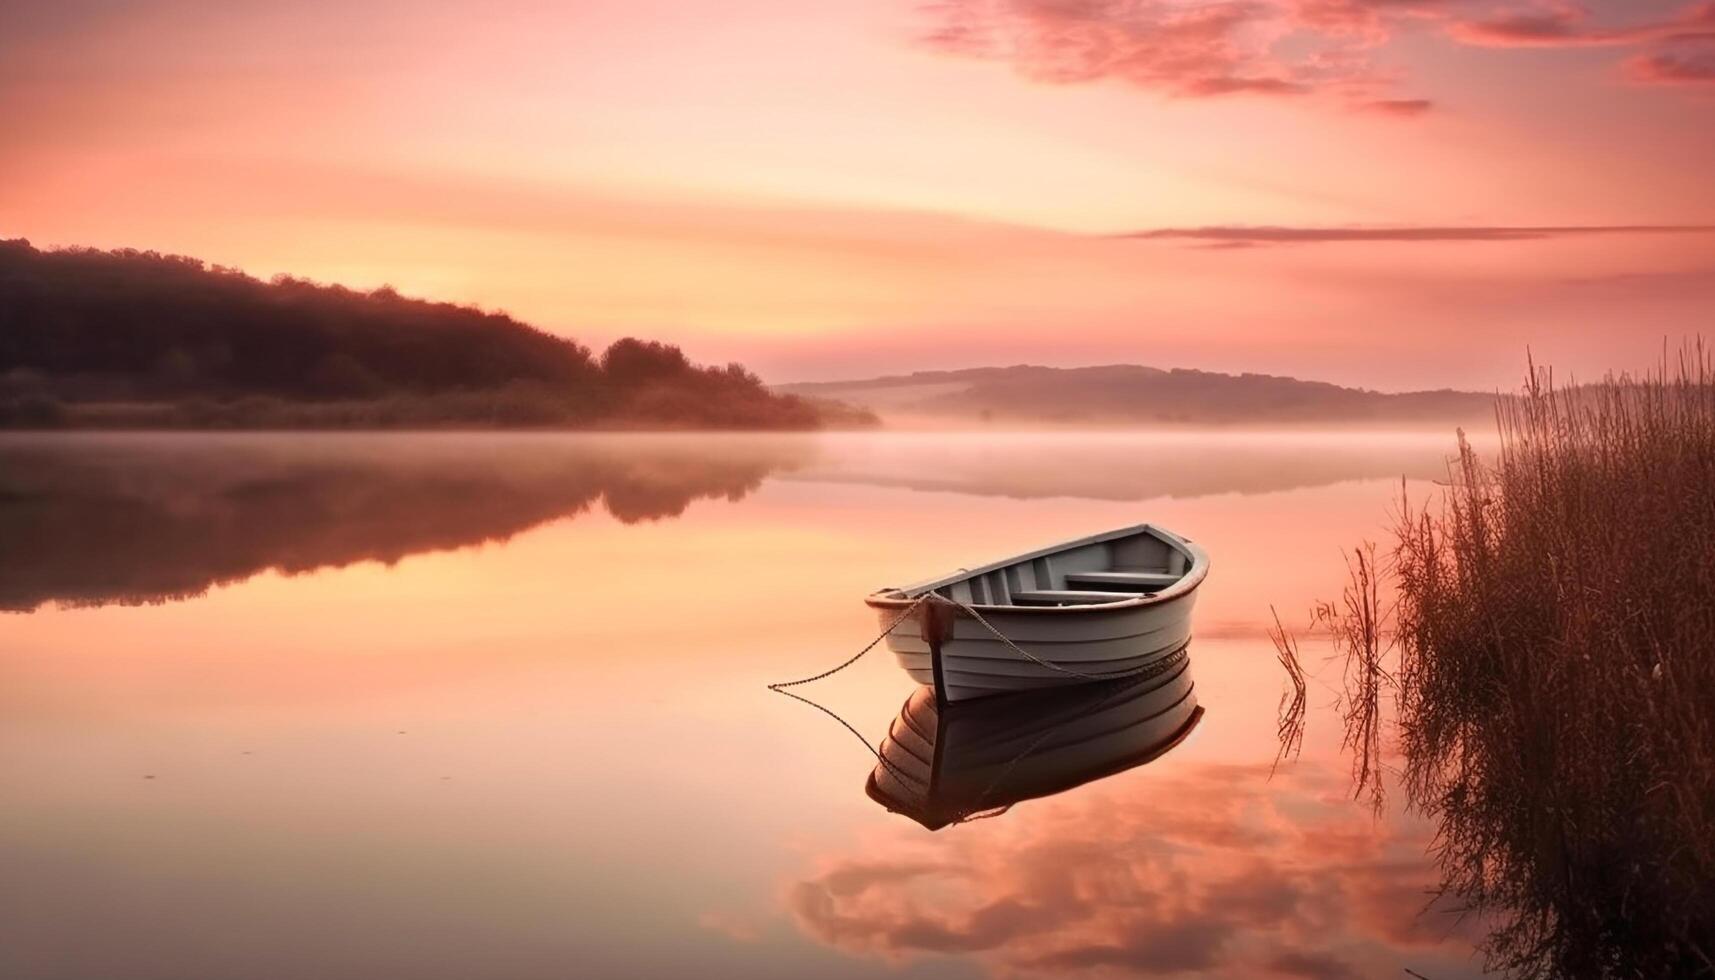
1124, 581
1061, 597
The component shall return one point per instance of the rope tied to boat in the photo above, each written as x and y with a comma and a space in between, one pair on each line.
1157, 666
781, 688
936, 599
902, 617
979, 809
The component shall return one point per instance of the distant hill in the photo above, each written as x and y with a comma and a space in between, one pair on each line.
1132, 395
139, 339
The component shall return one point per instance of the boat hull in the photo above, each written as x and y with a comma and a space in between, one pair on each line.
976, 663
1101, 607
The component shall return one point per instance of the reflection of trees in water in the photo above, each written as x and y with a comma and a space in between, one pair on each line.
137, 519
1210, 870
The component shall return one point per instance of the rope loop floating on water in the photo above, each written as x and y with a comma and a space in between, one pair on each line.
781, 688
885, 762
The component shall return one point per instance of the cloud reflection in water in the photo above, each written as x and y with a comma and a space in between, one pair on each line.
1209, 870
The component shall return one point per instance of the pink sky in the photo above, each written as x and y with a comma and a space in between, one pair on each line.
852, 187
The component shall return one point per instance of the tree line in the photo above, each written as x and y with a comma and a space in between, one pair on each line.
129, 337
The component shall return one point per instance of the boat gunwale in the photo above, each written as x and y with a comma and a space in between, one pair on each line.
901, 598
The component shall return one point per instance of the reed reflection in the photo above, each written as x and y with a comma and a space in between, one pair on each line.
138, 519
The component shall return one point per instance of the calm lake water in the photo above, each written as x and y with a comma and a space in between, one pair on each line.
460, 706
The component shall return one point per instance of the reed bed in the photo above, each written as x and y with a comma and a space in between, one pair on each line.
1546, 643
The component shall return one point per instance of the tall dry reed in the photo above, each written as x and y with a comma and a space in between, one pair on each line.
1554, 683
1294, 700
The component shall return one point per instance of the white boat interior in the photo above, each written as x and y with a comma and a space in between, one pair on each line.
1133, 565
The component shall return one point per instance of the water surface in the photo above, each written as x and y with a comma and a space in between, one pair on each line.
493, 705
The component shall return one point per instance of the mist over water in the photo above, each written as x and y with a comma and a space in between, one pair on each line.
494, 705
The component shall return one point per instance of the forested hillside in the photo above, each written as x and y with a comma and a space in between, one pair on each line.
131, 338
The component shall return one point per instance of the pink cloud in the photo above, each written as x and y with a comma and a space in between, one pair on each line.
1570, 25
1287, 47
1216, 49
1687, 59
1560, 27
1373, 18
1256, 86
1404, 108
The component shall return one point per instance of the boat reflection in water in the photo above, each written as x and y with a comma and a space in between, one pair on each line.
943, 764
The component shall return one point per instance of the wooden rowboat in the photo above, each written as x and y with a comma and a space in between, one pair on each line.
944, 763
1101, 607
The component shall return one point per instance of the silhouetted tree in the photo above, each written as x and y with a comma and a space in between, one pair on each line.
630, 362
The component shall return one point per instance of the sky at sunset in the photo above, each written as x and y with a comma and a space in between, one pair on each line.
1389, 193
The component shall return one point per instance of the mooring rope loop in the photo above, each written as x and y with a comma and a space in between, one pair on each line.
781, 688
879, 757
